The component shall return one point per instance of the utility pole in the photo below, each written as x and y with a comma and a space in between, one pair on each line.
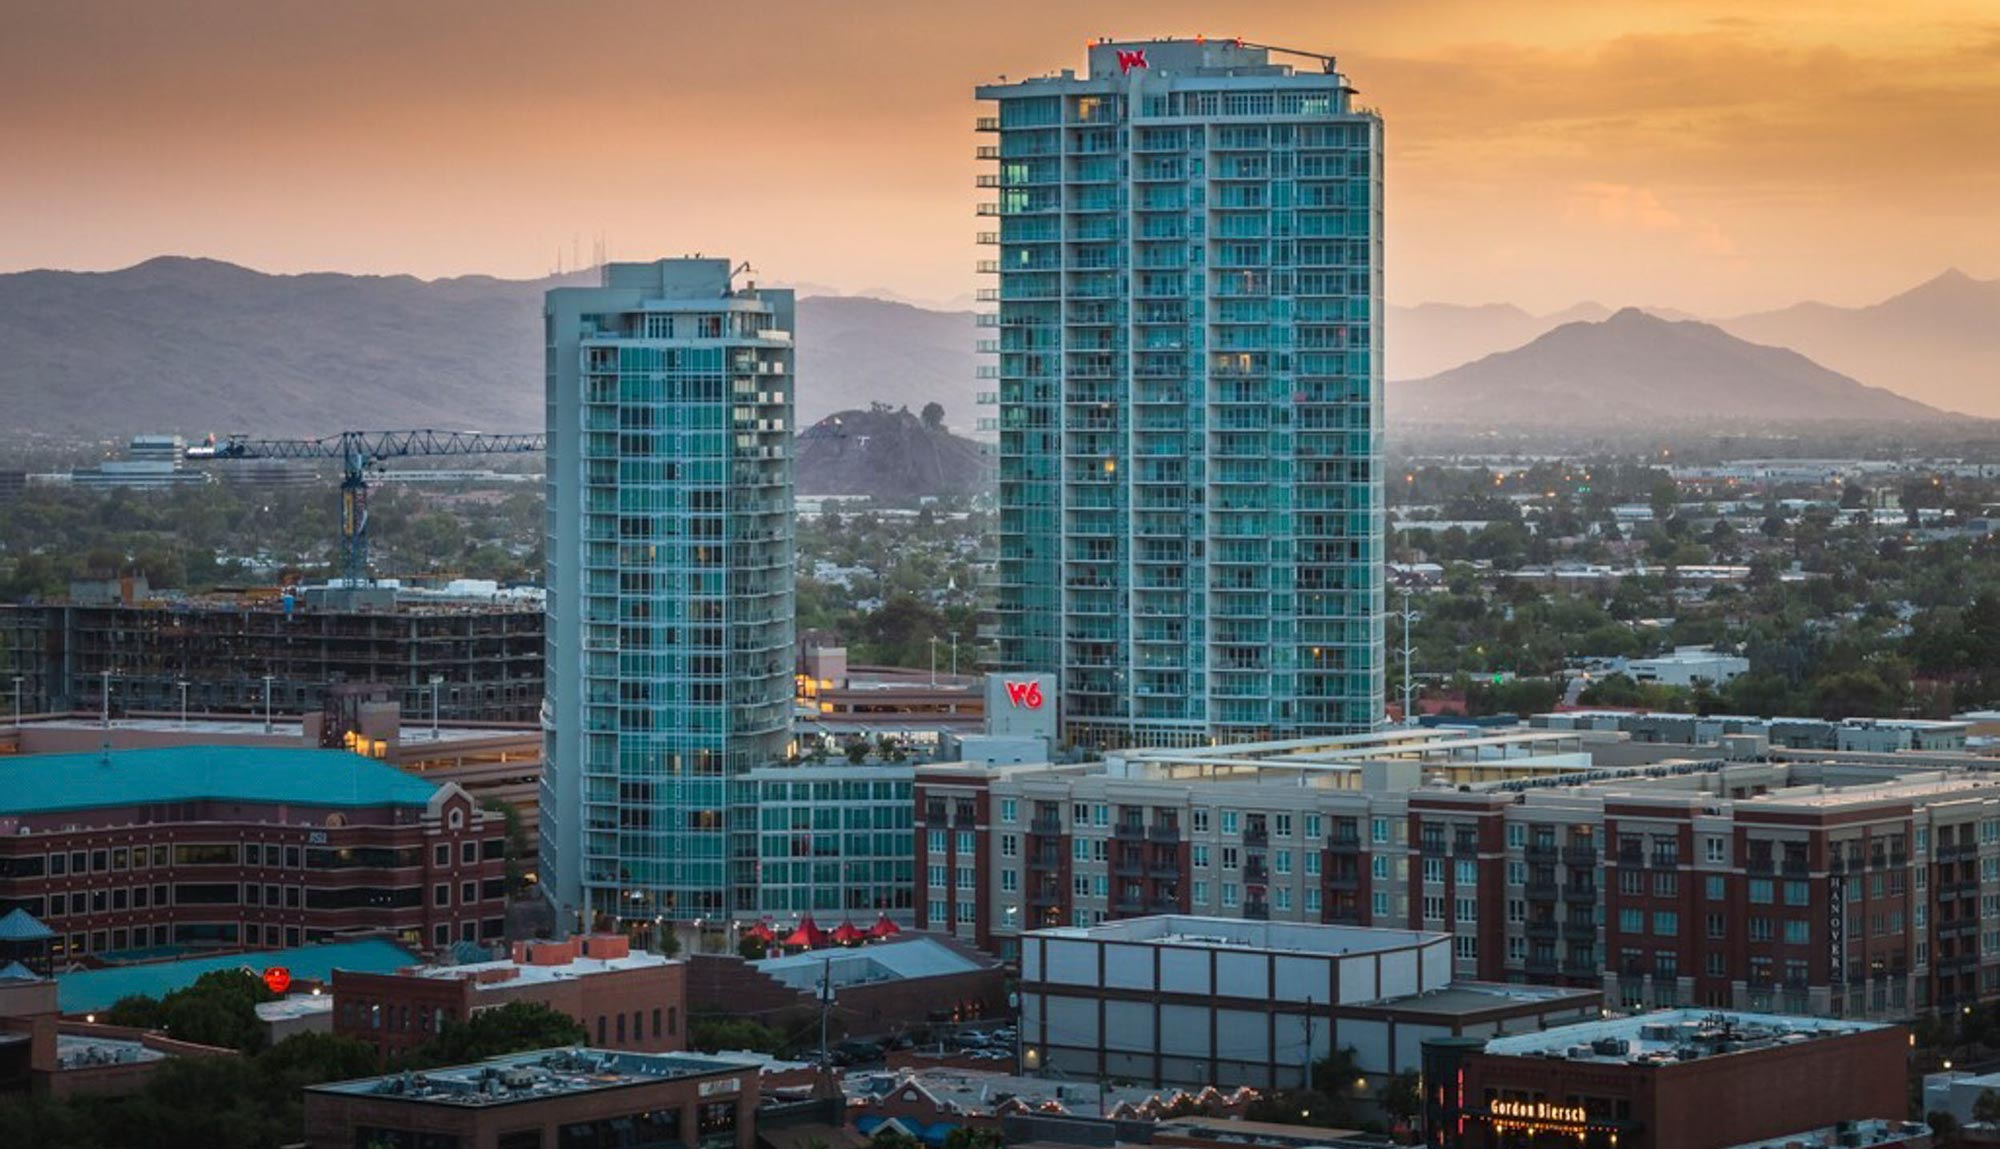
825, 1011
1306, 1082
1409, 691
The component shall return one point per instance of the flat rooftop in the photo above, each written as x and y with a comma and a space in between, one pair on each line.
1673, 1036
536, 1076
49, 783
1849, 1135
78, 1052
1463, 998
1234, 933
527, 973
900, 960
414, 732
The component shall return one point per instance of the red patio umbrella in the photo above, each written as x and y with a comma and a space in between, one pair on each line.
847, 933
761, 931
884, 928
808, 935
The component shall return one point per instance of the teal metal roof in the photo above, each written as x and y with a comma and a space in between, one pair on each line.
98, 988
20, 926
45, 783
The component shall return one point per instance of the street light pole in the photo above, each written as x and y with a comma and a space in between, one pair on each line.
934, 660
954, 656
267, 702
183, 684
17, 701
437, 680
104, 699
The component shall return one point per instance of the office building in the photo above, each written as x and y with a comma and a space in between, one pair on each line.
223, 847
1189, 381
670, 576
1194, 1001
626, 1001
832, 841
1682, 1079
555, 1097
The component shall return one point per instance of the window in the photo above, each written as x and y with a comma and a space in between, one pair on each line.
1717, 925
1760, 929
1281, 825
1010, 846
1714, 887
1282, 897
1465, 911
1517, 835
1467, 873
1281, 862
1632, 921
1009, 808
441, 895
1201, 893
441, 855
1466, 946
1796, 933
1760, 891
936, 874
1312, 826
1228, 894
1433, 908
1010, 881
1378, 830
1378, 906
1666, 923
964, 913
1312, 864
1715, 849
1200, 819
1517, 873
1433, 871
965, 877
1229, 821
1312, 899
1229, 857
965, 841
1797, 894
1200, 856
1378, 866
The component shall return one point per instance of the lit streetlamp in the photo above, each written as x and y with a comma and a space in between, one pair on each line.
267, 702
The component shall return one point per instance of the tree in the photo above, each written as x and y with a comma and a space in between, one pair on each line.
1402, 1097
515, 1027
967, 1137
934, 415
892, 1139
515, 843
1986, 1107
711, 1033
751, 948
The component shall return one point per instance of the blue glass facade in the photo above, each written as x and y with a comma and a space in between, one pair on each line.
670, 580
1188, 313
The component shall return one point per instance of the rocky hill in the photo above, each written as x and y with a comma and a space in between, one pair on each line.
886, 452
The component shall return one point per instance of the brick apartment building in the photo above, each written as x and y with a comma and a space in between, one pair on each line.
1836, 888
624, 1000
215, 847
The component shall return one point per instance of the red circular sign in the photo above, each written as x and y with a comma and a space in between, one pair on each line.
277, 979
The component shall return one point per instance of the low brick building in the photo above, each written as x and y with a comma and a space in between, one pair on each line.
880, 989
541, 1100
624, 1000
1682, 1079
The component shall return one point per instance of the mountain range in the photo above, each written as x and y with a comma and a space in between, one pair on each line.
196, 346
1634, 370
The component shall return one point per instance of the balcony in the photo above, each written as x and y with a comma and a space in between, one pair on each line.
1164, 906
1164, 871
1256, 836
1541, 891
1760, 867
1045, 862
1164, 832
1465, 848
1130, 904
1045, 824
1130, 869
1580, 855
1580, 892
1579, 929
1543, 965
1343, 881
1542, 853
1344, 843
1581, 967
1258, 911
1957, 853
1543, 928
1255, 870
1130, 831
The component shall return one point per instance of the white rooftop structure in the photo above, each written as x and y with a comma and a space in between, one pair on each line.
507, 973
1672, 1036
900, 960
1235, 933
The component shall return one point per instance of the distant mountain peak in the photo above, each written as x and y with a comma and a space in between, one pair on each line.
1635, 369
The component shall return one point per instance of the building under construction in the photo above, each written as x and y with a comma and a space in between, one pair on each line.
464, 660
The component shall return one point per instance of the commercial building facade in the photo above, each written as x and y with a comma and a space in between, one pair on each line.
1189, 385
240, 848
1197, 1001
1681, 1079
1840, 889
670, 581
826, 840
557, 1097
633, 1002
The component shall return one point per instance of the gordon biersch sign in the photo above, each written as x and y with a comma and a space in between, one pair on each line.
1028, 694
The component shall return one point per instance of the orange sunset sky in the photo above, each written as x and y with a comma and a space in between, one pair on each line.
1717, 157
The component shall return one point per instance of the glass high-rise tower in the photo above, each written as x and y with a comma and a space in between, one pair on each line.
670, 581
1189, 387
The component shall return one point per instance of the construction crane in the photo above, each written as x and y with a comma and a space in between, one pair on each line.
358, 451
